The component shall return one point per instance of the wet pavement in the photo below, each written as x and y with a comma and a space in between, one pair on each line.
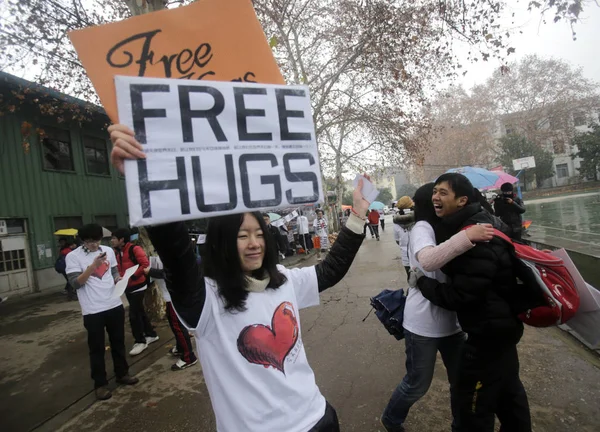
357, 365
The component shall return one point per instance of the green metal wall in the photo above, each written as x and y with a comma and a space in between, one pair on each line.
28, 191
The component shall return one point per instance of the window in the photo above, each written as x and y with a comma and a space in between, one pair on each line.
12, 260
67, 222
579, 119
108, 221
96, 155
562, 170
15, 226
56, 147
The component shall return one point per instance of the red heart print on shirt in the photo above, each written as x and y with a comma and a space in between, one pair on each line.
269, 346
101, 270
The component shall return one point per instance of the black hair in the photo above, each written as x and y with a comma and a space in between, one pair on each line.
423, 206
506, 187
266, 215
122, 233
460, 185
478, 196
90, 232
222, 260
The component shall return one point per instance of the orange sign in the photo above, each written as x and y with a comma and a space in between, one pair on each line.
219, 40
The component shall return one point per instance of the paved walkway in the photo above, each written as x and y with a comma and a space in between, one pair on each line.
357, 365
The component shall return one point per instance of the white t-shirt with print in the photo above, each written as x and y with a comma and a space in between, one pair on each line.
422, 317
254, 362
97, 294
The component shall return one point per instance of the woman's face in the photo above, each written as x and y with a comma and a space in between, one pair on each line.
251, 244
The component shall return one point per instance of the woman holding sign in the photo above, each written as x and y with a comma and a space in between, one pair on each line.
244, 311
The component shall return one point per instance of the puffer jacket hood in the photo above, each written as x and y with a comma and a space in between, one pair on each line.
405, 220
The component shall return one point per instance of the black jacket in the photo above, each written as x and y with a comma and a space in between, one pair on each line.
185, 280
510, 213
483, 288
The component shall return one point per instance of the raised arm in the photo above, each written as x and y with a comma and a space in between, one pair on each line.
435, 257
519, 206
339, 259
172, 242
336, 264
472, 278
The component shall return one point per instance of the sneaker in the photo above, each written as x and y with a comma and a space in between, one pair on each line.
377, 238
181, 365
389, 428
127, 380
138, 348
173, 351
151, 339
103, 393
3, 299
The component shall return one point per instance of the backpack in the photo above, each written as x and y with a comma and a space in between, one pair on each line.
549, 291
61, 264
133, 259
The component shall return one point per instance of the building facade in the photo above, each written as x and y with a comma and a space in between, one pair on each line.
54, 174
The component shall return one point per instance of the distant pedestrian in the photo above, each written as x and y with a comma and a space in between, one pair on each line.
276, 236
65, 247
403, 223
92, 270
382, 219
322, 232
303, 233
509, 208
129, 255
374, 223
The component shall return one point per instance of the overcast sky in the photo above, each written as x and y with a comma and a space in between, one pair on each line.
547, 40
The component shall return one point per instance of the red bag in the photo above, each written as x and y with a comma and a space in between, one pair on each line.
544, 274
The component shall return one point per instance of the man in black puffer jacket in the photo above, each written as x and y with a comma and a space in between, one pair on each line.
484, 294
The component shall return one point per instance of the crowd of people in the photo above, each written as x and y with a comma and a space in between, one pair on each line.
461, 302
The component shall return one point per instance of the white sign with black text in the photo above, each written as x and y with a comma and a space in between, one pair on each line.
216, 148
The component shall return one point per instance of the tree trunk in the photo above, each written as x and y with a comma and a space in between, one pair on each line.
154, 302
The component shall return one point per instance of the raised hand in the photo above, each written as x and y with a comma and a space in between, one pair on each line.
480, 233
125, 146
359, 203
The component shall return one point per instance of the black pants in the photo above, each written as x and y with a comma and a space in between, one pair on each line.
328, 423
374, 229
69, 289
489, 384
182, 336
382, 222
113, 320
306, 241
140, 324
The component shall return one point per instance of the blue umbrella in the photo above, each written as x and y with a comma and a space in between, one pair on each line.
376, 205
479, 177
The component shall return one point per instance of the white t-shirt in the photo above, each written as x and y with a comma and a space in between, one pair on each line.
254, 362
97, 294
302, 225
156, 263
421, 317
